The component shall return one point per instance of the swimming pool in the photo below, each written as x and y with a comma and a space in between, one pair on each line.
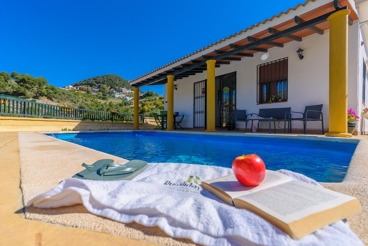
323, 160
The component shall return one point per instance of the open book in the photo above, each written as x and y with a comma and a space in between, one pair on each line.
295, 207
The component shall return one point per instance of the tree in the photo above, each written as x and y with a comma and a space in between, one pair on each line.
89, 90
149, 94
7, 85
14, 74
40, 87
51, 92
5, 77
30, 86
104, 90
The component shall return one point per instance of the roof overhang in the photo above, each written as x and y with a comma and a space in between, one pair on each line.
294, 25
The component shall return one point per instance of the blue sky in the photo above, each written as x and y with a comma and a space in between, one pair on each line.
69, 41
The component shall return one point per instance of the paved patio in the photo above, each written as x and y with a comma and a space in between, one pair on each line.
19, 231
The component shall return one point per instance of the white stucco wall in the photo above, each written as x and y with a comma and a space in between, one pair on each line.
362, 59
357, 56
354, 61
307, 83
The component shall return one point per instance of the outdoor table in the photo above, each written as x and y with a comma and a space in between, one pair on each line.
163, 119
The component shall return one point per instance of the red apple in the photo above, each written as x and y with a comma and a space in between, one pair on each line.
249, 170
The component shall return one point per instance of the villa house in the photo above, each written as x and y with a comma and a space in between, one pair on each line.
315, 53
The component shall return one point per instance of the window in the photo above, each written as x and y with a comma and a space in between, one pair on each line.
273, 81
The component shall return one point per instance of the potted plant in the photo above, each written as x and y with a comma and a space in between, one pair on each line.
352, 120
229, 120
275, 98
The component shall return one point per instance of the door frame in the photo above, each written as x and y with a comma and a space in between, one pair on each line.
220, 81
200, 104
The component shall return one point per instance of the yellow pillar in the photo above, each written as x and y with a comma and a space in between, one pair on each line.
170, 103
211, 96
338, 84
136, 108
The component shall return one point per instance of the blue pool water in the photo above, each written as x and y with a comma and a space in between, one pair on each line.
324, 161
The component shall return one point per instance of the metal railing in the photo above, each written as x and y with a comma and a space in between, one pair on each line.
26, 108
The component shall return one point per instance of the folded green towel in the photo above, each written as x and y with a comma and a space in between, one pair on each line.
93, 167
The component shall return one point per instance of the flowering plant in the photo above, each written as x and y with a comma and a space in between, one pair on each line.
352, 116
229, 117
275, 98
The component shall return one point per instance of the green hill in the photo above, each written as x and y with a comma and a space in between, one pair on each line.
112, 81
26, 86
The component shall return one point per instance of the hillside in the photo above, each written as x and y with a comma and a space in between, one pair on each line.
112, 81
102, 98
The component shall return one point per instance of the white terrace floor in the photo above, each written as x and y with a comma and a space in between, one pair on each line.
16, 230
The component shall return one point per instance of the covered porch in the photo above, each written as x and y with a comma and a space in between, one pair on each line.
277, 33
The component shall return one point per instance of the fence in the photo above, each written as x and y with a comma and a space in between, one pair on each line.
26, 108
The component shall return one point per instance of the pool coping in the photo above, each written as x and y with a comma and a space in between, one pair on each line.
237, 134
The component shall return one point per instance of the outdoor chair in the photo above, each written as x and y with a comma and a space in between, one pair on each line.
178, 122
240, 115
159, 125
311, 113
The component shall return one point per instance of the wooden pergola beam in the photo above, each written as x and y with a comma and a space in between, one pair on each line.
219, 52
244, 54
223, 62
226, 58
259, 49
290, 36
231, 59
234, 46
315, 29
253, 39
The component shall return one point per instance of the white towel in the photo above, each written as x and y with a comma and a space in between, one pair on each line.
170, 196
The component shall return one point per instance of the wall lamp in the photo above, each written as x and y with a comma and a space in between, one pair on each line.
265, 56
175, 87
300, 53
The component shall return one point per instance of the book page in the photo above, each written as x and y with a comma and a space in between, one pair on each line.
231, 186
294, 200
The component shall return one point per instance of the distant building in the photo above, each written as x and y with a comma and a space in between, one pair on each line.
82, 88
95, 91
68, 87
122, 95
125, 90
